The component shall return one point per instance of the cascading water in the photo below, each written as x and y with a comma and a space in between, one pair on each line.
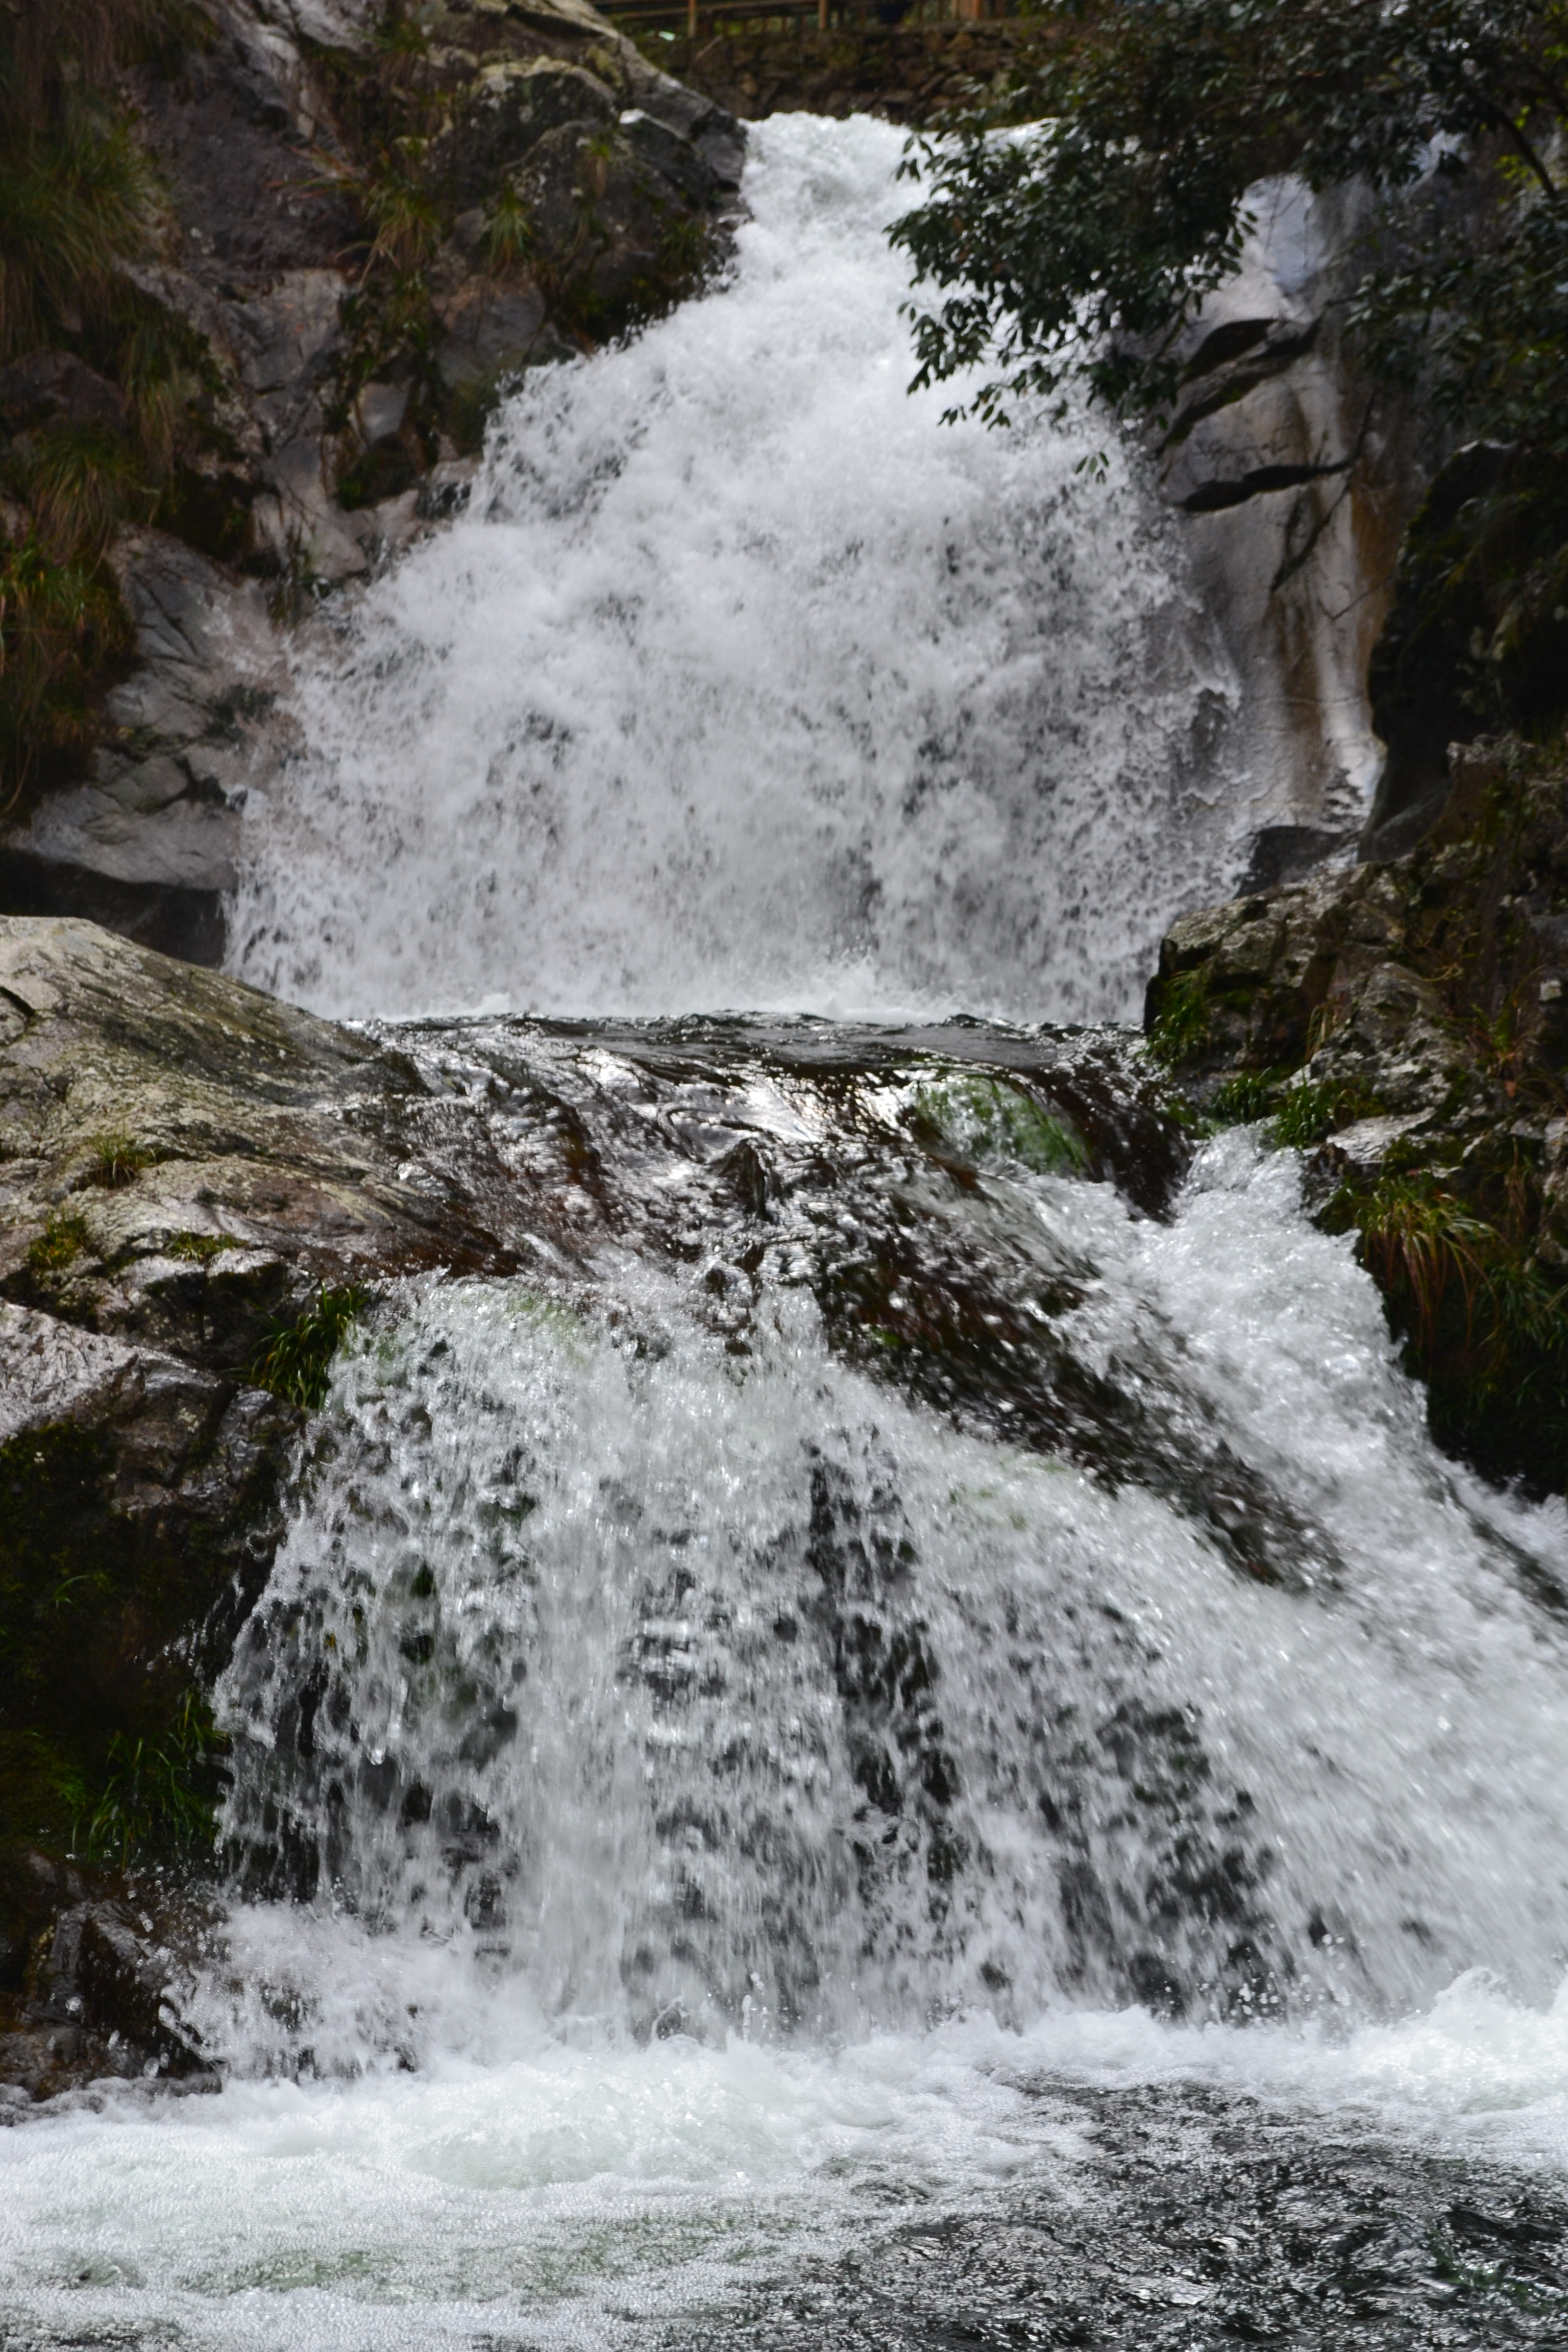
745, 682
642, 1635
901, 1733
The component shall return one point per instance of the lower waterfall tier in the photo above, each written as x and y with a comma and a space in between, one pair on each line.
873, 1569
906, 1740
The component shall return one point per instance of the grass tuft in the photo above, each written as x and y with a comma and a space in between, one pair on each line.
60, 623
60, 1243
158, 1798
1181, 1029
201, 1247
115, 1160
1309, 1112
1242, 1100
1420, 1243
294, 1362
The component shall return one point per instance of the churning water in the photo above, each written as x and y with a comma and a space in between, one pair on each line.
903, 1740
746, 683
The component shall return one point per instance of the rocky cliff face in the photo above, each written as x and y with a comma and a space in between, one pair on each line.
1405, 1024
1297, 480
367, 229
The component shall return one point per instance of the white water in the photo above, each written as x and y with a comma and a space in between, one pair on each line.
539, 2177
650, 734
747, 683
594, 1525
562, 2198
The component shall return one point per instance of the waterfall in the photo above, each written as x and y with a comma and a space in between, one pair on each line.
746, 682
911, 1691
648, 1635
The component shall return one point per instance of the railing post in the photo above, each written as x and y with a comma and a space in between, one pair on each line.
692, 19
822, 16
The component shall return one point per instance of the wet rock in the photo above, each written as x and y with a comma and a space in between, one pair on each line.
260, 1150
1188, 2219
148, 844
1295, 484
92, 1993
57, 387
321, 411
503, 114
1406, 1021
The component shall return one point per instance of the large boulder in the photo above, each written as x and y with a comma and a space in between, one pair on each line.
1295, 482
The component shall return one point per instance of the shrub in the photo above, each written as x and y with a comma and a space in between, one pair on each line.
1079, 246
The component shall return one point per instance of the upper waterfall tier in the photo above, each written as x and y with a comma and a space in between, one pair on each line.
746, 682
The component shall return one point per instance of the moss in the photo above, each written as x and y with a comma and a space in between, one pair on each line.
294, 1362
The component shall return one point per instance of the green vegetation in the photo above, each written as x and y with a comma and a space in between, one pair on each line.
412, 182
295, 1360
202, 1247
1485, 1325
158, 1796
1080, 247
62, 1241
75, 194
1180, 1030
115, 1160
1462, 1219
986, 1118
1246, 1098
102, 393
1123, 203
1310, 1109
103, 1743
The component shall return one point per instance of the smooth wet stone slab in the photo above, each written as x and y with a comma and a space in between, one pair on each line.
182, 1158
